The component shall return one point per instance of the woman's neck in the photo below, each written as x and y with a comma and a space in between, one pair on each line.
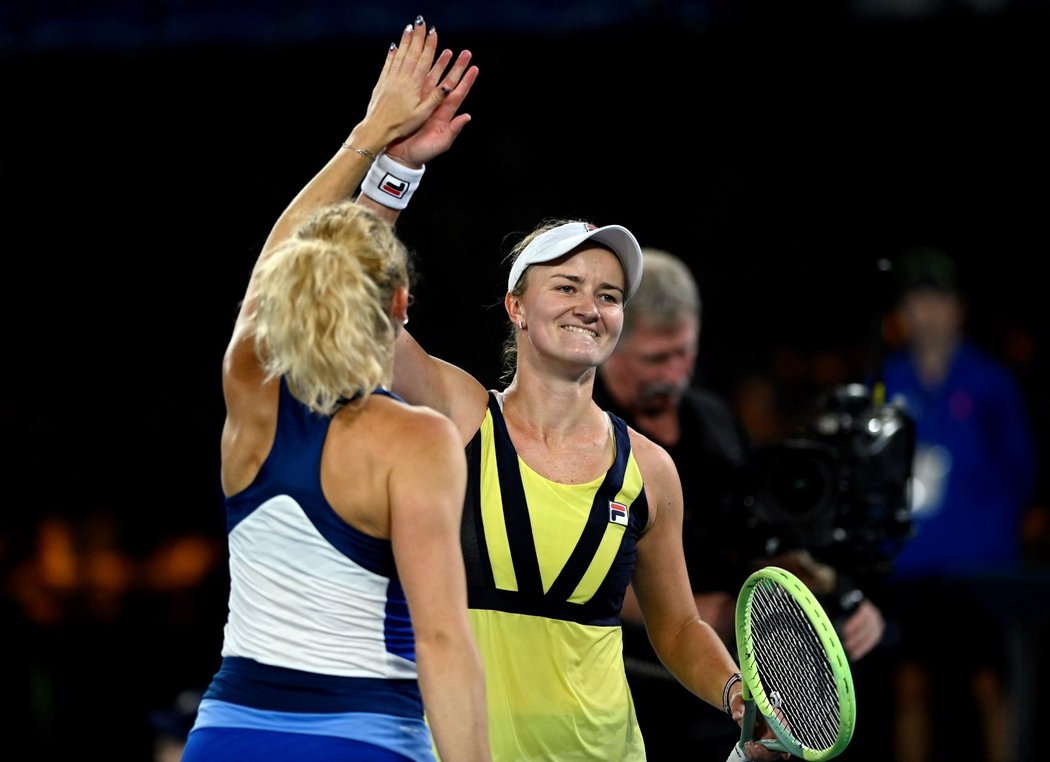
550, 408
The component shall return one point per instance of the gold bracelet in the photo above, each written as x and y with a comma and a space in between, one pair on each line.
362, 151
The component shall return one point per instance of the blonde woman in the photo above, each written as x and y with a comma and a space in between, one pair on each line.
347, 636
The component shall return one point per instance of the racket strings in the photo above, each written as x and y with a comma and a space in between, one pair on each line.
793, 667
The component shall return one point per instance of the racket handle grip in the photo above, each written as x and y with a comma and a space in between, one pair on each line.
737, 754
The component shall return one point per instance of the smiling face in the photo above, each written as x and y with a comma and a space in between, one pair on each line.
572, 307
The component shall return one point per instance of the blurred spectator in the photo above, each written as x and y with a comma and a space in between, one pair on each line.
973, 478
171, 725
86, 609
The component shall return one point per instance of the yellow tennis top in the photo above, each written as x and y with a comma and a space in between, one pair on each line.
547, 568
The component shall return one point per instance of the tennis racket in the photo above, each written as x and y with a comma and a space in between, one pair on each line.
792, 668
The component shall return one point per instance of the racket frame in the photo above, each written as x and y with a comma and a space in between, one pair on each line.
754, 694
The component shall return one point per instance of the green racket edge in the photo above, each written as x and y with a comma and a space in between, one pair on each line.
829, 639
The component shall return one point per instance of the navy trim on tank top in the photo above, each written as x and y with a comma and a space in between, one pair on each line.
262, 686
603, 609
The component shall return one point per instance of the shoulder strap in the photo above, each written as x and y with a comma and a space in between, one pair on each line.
598, 521
515, 507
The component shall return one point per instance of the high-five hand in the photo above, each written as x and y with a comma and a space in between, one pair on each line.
437, 134
410, 87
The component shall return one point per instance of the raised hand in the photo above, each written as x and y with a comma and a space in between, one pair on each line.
441, 129
410, 86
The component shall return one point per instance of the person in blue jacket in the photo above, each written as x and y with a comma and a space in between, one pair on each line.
972, 479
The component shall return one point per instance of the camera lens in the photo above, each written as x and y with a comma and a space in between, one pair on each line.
796, 482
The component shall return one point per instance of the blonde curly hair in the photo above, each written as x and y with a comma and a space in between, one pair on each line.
321, 307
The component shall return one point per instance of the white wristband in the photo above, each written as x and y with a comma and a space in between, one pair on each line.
390, 183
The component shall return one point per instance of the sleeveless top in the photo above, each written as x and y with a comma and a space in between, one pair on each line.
548, 565
318, 637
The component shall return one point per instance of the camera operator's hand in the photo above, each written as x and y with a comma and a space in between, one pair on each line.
816, 575
862, 630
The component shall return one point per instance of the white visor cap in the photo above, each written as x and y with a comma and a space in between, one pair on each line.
559, 241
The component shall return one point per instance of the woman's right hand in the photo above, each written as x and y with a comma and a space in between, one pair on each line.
410, 88
441, 129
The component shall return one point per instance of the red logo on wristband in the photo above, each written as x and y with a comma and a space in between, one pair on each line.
394, 186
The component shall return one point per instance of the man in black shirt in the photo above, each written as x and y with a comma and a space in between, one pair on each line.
649, 382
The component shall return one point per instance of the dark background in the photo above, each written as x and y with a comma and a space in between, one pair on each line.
781, 150
146, 155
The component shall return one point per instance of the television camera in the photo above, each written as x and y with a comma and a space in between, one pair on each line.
840, 487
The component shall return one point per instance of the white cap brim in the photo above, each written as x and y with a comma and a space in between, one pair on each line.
559, 241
